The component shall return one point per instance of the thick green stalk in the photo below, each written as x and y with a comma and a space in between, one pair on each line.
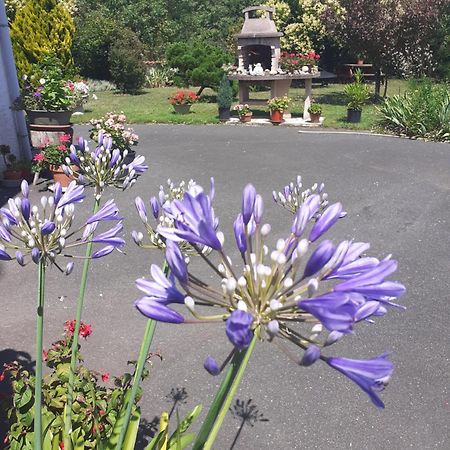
38, 382
238, 362
76, 334
143, 354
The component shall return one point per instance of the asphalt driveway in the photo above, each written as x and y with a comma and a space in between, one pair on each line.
396, 193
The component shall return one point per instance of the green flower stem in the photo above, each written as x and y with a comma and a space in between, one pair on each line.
76, 333
38, 382
143, 354
224, 397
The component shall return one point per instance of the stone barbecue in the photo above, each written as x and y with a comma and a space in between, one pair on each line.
259, 41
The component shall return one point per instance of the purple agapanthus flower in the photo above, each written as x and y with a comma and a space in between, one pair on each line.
194, 220
371, 375
158, 311
238, 328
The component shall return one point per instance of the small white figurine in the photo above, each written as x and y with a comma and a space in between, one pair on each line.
258, 70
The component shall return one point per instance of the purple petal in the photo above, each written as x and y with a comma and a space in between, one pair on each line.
321, 255
300, 220
176, 261
311, 355
103, 251
238, 328
155, 207
326, 221
258, 209
73, 194
4, 234
48, 228
35, 255
313, 203
25, 188
248, 202
4, 256
239, 234
211, 366
157, 311
109, 211
25, 208
140, 206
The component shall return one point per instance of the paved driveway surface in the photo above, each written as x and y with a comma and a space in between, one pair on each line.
396, 193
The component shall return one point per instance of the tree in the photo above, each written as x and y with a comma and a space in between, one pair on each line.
41, 28
198, 64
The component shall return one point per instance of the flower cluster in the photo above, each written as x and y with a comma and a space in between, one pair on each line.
158, 207
52, 154
307, 291
105, 166
112, 125
294, 62
278, 103
46, 232
184, 98
292, 196
242, 110
85, 329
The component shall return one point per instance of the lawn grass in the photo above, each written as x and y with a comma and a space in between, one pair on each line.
152, 106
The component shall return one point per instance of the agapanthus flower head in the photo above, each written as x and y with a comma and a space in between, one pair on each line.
306, 290
47, 231
160, 214
292, 196
105, 166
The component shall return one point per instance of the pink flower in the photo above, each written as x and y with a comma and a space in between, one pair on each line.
38, 157
85, 330
105, 377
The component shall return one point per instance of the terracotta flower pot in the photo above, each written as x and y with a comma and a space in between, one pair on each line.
36, 117
276, 116
182, 109
315, 118
59, 176
246, 118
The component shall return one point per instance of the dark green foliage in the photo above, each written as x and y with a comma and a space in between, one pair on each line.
198, 64
94, 35
224, 93
126, 62
423, 111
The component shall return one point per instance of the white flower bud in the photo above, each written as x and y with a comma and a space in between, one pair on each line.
265, 229
313, 285
190, 303
242, 305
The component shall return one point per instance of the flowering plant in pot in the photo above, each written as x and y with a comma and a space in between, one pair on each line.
315, 111
113, 125
183, 100
244, 112
277, 106
296, 62
48, 96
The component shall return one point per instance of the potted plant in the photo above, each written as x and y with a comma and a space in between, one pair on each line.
224, 99
113, 125
315, 111
182, 101
357, 95
52, 157
47, 96
244, 112
295, 63
16, 170
277, 106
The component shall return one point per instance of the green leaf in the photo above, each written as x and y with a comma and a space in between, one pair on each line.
188, 420
24, 398
133, 427
182, 443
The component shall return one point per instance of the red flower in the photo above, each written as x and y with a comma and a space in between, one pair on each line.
101, 412
85, 330
61, 445
38, 157
69, 327
2, 376
105, 377
65, 138
62, 148
44, 355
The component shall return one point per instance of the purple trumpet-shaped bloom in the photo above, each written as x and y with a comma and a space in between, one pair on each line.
238, 328
140, 206
300, 220
4, 256
333, 309
58, 192
157, 311
109, 211
311, 355
161, 288
155, 207
239, 234
248, 202
73, 155
25, 208
25, 188
4, 233
110, 236
115, 155
9, 216
371, 375
211, 366
321, 255
103, 252
176, 261
325, 221
313, 203
194, 220
73, 194
48, 228
137, 165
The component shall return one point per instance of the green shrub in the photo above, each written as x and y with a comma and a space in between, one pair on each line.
357, 92
225, 93
126, 62
198, 64
39, 29
93, 38
422, 112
